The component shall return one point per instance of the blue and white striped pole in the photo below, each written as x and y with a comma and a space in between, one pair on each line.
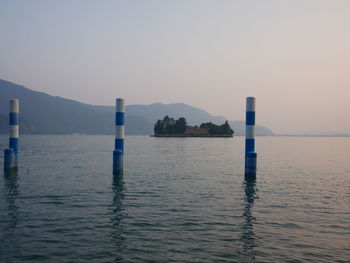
118, 152
11, 154
250, 154
14, 125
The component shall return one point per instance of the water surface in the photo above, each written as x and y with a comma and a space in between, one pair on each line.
180, 200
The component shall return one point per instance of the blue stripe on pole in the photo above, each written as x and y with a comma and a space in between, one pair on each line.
251, 160
13, 144
252, 154
250, 164
119, 118
10, 162
250, 172
13, 118
119, 144
249, 145
117, 162
250, 118
9, 157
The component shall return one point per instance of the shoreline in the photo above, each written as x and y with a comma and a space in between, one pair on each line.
190, 136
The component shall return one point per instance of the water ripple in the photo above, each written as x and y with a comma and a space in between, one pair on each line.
180, 200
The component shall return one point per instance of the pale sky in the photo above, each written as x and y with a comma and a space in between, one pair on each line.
293, 56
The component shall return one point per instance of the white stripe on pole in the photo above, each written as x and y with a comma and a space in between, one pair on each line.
250, 131
14, 105
250, 104
120, 105
119, 132
14, 131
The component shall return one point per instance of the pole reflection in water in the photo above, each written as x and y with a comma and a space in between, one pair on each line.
118, 215
9, 222
248, 238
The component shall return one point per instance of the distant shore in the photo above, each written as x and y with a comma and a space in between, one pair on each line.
193, 135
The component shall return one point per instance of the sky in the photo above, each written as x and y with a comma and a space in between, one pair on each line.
293, 56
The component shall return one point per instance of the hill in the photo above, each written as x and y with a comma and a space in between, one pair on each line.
54, 115
44, 114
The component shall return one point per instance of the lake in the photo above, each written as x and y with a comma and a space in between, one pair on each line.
180, 200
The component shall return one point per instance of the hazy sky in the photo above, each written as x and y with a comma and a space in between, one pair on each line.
293, 56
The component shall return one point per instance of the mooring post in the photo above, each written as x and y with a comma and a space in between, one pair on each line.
250, 154
13, 124
11, 154
118, 152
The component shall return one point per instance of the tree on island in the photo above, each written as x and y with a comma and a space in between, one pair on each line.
172, 127
180, 125
214, 129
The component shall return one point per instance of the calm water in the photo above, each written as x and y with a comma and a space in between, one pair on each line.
180, 200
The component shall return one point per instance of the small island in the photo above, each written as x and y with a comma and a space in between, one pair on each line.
169, 127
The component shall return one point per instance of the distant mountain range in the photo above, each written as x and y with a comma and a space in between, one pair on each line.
44, 114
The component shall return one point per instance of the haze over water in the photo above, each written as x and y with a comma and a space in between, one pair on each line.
293, 56
180, 200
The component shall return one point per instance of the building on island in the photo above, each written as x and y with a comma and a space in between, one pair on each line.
195, 130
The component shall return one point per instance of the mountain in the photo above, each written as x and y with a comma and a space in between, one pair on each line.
45, 114
157, 111
239, 128
54, 115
